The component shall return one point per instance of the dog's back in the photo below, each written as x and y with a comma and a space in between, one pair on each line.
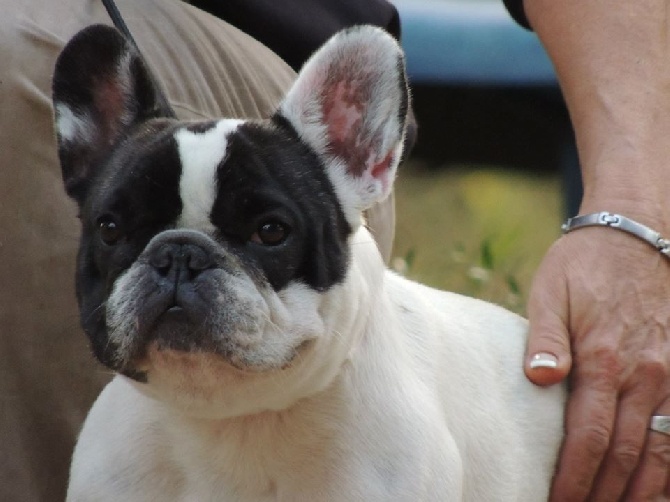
507, 430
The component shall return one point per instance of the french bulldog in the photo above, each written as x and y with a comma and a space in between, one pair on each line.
262, 350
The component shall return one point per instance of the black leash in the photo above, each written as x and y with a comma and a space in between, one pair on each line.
118, 21
120, 25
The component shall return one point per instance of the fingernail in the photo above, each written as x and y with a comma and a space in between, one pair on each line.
544, 360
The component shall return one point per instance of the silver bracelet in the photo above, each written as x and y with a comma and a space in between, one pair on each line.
605, 219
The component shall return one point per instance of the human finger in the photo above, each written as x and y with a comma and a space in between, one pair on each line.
548, 359
590, 417
626, 444
651, 480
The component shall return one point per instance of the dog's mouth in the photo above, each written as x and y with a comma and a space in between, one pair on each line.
177, 329
217, 315
179, 336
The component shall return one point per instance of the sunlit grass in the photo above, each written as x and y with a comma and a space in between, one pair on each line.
479, 231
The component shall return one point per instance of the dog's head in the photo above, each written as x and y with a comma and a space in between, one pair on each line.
216, 258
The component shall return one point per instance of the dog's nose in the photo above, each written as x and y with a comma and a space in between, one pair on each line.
181, 261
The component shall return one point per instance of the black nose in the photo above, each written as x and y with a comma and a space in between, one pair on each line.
180, 261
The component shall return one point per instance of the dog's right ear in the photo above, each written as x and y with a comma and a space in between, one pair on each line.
101, 88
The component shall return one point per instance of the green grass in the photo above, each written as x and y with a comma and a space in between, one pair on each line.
479, 231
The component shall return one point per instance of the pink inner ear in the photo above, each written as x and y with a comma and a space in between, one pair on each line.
109, 101
343, 110
381, 167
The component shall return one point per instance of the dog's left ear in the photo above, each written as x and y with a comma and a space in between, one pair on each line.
350, 105
101, 88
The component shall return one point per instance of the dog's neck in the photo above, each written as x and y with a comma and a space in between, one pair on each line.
310, 441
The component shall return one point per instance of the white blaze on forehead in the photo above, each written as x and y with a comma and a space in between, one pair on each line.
200, 154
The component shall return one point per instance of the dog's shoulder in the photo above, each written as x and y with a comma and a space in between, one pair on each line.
471, 353
119, 445
452, 315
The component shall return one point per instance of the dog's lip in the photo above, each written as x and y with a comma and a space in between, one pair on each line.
174, 311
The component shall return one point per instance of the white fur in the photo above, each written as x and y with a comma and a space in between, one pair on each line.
72, 127
200, 155
412, 394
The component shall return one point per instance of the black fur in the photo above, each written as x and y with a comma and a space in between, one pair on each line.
87, 81
269, 174
138, 188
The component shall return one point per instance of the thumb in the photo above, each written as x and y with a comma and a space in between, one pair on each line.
548, 358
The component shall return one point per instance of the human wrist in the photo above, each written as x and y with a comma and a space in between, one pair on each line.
641, 210
642, 205
622, 223
634, 183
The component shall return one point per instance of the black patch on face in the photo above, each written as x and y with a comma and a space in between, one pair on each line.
269, 175
137, 189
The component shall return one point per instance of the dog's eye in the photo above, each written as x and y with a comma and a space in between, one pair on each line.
109, 229
270, 233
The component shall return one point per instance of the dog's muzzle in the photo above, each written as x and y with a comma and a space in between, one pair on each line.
178, 258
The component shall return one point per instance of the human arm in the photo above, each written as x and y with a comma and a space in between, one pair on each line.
601, 298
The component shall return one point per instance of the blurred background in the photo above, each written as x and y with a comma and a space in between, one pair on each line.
494, 170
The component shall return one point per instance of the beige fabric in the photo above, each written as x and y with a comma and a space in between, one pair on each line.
48, 378
381, 223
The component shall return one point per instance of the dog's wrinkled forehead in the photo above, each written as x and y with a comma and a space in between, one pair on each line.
202, 169
201, 152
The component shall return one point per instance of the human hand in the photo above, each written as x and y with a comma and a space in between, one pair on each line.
600, 303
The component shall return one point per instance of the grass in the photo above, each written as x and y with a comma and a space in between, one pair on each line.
479, 231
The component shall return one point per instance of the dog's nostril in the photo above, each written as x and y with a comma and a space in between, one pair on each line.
197, 259
162, 260
173, 258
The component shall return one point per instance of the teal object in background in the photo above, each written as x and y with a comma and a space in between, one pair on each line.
470, 42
